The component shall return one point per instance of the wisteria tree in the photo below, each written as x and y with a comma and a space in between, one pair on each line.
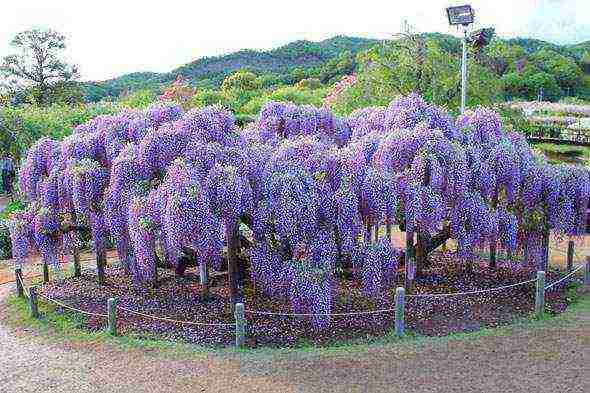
298, 196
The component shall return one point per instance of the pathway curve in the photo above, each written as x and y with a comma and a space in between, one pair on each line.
551, 359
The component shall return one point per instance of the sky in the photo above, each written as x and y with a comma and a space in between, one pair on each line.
109, 38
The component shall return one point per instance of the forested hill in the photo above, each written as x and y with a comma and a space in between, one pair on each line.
275, 64
283, 64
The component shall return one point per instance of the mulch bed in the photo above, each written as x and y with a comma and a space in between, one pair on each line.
179, 299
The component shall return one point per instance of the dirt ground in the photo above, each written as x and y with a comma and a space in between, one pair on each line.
552, 358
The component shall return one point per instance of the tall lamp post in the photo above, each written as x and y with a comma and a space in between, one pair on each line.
462, 16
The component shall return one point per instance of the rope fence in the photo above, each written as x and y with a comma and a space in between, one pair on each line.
239, 309
172, 320
63, 305
565, 277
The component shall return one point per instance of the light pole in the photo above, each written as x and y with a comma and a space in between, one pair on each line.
464, 71
462, 16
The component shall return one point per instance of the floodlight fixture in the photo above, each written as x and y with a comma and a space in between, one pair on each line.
482, 37
460, 15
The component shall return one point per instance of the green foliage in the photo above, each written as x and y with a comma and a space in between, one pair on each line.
5, 244
501, 56
138, 100
412, 64
527, 84
21, 126
240, 81
205, 97
565, 70
585, 62
336, 68
299, 96
309, 83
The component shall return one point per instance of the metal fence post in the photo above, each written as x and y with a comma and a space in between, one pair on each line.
570, 256
112, 315
18, 276
33, 302
587, 271
540, 294
400, 300
240, 325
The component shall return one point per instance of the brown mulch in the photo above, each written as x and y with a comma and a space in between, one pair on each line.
178, 299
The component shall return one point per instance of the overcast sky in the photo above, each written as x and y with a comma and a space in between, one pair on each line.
108, 38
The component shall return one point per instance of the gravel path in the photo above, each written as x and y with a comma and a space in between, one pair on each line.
549, 359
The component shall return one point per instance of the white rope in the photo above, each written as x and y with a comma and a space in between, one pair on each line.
173, 320
387, 309
70, 307
472, 292
317, 314
565, 277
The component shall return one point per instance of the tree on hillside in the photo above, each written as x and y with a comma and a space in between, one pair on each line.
241, 81
38, 63
500, 56
567, 73
586, 63
411, 63
336, 68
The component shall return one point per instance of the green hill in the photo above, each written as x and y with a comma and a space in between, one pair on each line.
278, 64
210, 71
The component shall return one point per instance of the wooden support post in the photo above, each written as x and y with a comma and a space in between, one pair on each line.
409, 261
231, 232
76, 257
101, 260
400, 304
33, 302
587, 271
240, 325
204, 275
45, 273
112, 316
570, 256
376, 233
540, 294
18, 278
388, 231
493, 258
493, 243
545, 261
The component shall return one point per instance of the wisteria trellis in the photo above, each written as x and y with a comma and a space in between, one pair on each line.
306, 182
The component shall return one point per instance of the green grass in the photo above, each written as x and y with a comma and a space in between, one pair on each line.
59, 327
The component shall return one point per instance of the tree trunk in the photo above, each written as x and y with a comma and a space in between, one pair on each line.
101, 261
76, 257
421, 253
45, 273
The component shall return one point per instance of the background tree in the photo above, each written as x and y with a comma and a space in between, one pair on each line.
586, 62
501, 56
336, 68
414, 63
38, 63
567, 73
